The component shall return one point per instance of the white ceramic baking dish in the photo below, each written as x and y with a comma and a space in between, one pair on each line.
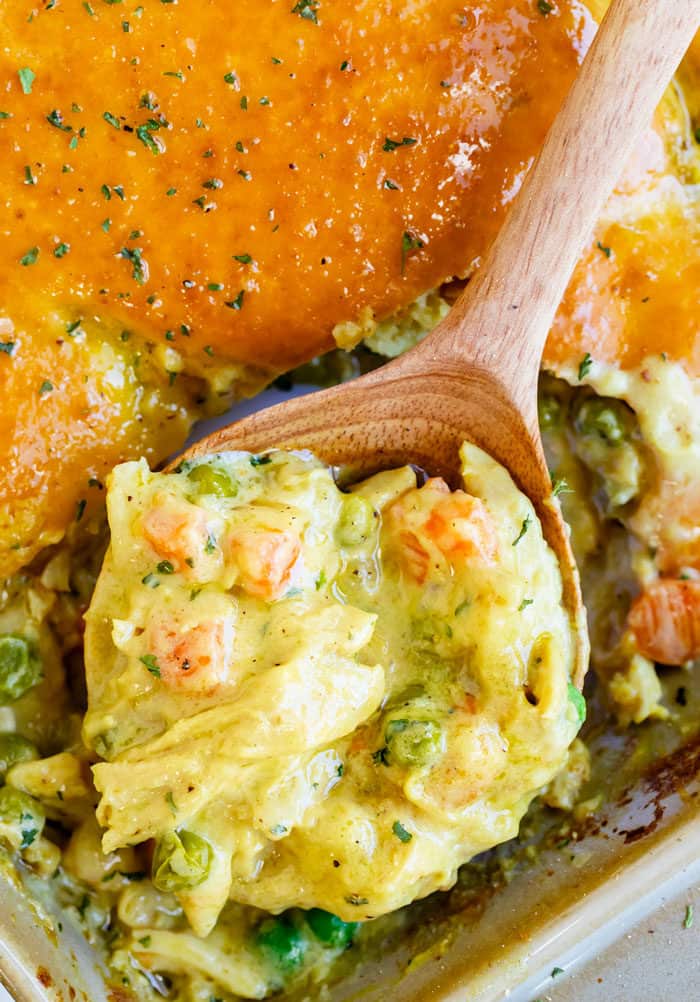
565, 905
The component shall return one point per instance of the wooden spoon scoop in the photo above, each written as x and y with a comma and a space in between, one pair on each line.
475, 376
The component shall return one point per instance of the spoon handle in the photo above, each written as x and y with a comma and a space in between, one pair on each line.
502, 319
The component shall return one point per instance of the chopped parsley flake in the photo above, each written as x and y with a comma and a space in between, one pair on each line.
307, 9
30, 257
523, 529
524, 604
260, 460
401, 833
237, 303
151, 581
606, 250
143, 134
45, 387
165, 567
544, 7
111, 119
149, 660
560, 486
139, 271
61, 250
688, 920
55, 118
26, 79
7, 347
409, 244
393, 144
585, 366
243, 258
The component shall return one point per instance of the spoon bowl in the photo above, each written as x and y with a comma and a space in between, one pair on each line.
475, 376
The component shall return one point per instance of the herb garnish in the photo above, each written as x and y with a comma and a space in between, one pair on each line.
560, 486
393, 144
55, 118
26, 78
139, 271
401, 833
30, 257
585, 366
307, 9
111, 119
149, 660
409, 244
523, 529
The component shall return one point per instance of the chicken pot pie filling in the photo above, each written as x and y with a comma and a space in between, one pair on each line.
322, 699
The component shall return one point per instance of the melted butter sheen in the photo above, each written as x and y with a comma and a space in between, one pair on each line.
270, 131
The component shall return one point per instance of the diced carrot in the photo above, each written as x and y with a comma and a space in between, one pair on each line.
456, 523
266, 559
460, 525
665, 621
177, 530
196, 658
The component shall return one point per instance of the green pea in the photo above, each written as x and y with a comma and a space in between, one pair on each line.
21, 818
413, 742
549, 411
13, 749
331, 930
579, 703
212, 480
182, 860
20, 669
606, 418
283, 943
357, 520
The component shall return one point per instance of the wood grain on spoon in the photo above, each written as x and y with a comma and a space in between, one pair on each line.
475, 376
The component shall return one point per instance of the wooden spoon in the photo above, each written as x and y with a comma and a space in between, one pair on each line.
475, 376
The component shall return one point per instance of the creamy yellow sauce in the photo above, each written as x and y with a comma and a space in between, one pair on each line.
342, 696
